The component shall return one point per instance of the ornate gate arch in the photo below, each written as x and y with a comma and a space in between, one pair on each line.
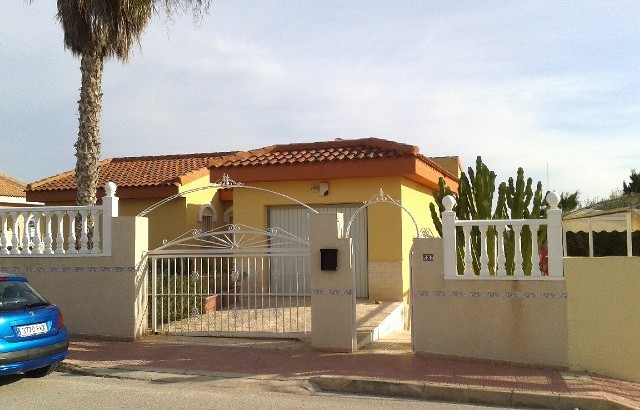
225, 182
231, 281
382, 198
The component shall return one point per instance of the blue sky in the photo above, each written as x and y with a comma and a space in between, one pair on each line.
537, 84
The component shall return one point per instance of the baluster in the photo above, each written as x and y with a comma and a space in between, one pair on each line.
37, 239
14, 234
26, 217
484, 257
517, 258
502, 259
97, 235
468, 260
60, 235
92, 244
3, 236
84, 237
535, 256
48, 235
72, 233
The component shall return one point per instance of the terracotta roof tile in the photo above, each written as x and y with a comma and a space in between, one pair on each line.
11, 187
338, 150
327, 151
168, 170
138, 172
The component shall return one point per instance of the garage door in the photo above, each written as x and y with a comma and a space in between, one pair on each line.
294, 220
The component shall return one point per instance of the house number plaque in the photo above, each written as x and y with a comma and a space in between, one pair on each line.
427, 257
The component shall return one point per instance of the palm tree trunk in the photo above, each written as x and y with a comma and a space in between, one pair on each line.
88, 143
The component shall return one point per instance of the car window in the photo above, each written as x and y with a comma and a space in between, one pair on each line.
16, 295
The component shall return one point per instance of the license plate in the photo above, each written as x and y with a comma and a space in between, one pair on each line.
31, 330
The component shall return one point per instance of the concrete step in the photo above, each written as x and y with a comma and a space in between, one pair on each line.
378, 321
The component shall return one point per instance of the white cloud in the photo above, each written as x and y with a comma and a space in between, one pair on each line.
522, 84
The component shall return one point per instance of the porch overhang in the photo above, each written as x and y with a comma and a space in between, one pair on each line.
411, 168
124, 192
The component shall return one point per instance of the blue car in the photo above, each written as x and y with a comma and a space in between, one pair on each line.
33, 338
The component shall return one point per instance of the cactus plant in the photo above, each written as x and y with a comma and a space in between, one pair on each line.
516, 200
519, 196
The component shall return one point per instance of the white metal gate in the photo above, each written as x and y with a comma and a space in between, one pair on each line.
231, 281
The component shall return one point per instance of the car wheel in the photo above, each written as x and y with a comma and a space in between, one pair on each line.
41, 372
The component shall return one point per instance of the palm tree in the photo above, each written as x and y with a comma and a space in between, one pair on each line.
95, 30
569, 202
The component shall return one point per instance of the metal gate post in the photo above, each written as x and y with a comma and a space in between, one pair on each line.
154, 294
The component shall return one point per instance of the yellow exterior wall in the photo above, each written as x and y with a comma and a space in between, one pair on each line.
175, 217
604, 315
390, 230
384, 221
165, 222
416, 199
195, 200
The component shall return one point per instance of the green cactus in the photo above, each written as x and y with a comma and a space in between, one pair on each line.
479, 196
443, 190
518, 199
475, 201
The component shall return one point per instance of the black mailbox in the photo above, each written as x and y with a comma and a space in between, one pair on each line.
329, 259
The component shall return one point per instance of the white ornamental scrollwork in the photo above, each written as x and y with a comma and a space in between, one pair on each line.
195, 276
228, 182
427, 233
381, 197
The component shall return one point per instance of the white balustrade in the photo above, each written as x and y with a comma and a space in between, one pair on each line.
41, 231
494, 262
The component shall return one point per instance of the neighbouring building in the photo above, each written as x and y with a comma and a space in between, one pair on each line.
12, 191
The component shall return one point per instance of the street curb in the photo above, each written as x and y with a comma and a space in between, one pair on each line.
222, 380
139, 373
362, 385
462, 394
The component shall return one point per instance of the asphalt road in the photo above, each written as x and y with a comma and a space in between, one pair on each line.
69, 391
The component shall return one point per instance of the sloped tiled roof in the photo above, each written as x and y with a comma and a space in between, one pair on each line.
160, 176
325, 152
11, 187
147, 171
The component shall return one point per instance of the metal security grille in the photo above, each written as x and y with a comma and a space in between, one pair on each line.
233, 281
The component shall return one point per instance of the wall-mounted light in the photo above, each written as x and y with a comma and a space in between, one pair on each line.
321, 189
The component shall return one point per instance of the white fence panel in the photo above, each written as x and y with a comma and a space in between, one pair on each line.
544, 266
51, 231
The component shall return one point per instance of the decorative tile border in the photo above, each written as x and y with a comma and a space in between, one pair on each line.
74, 269
491, 295
331, 292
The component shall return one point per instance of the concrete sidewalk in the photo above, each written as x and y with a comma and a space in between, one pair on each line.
396, 372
